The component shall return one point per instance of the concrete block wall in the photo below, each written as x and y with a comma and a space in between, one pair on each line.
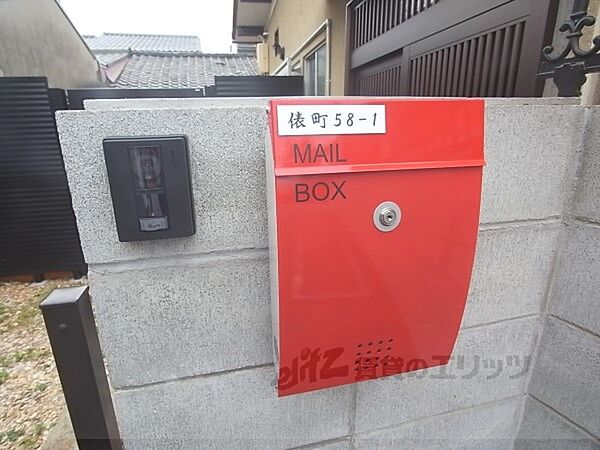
184, 323
564, 405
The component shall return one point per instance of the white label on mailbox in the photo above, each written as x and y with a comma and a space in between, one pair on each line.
298, 120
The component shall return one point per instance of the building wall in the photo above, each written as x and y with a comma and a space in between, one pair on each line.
37, 39
297, 21
184, 324
590, 94
564, 390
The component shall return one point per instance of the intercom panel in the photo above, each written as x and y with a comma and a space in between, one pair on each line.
150, 186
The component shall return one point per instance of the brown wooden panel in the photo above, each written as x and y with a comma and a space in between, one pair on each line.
443, 79
436, 56
384, 83
372, 18
474, 43
502, 71
447, 14
458, 48
483, 65
493, 74
478, 68
457, 70
514, 60
486, 63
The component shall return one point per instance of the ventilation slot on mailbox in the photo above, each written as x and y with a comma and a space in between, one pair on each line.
371, 355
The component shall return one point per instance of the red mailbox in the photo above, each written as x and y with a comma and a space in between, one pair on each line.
374, 211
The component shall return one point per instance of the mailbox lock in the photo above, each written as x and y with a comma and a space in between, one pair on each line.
387, 216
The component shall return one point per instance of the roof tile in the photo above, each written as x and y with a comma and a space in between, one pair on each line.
182, 70
143, 42
108, 58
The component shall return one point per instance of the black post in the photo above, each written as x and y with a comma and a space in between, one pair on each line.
70, 324
581, 7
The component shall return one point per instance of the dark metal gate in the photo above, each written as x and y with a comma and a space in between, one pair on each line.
225, 86
37, 224
256, 86
472, 48
77, 96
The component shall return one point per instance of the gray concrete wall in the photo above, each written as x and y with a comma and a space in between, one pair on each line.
565, 388
37, 39
191, 103
184, 324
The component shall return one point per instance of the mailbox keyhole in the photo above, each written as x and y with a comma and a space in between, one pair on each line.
387, 216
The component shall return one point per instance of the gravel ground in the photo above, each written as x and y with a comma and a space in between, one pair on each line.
30, 392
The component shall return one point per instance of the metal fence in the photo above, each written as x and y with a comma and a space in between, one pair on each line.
256, 86
37, 225
77, 96
225, 86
